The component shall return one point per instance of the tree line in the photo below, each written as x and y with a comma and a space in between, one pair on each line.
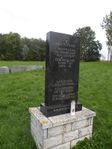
13, 47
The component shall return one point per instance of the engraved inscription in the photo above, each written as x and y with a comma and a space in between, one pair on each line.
63, 90
65, 55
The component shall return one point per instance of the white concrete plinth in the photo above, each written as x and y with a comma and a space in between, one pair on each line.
61, 131
4, 69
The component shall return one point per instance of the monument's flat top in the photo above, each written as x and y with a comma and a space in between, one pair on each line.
48, 122
43, 120
65, 118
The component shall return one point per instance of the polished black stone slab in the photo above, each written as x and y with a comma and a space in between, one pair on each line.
62, 73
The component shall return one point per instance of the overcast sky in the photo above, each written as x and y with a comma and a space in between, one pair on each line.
34, 18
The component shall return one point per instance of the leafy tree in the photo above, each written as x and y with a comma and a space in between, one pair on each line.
107, 25
25, 48
25, 51
41, 49
10, 45
89, 47
34, 49
13, 47
1, 47
16, 45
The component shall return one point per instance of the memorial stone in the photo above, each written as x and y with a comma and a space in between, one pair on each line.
62, 74
56, 124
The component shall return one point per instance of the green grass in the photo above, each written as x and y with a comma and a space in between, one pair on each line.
19, 91
16, 63
96, 93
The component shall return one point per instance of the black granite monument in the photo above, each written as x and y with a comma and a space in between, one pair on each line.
62, 74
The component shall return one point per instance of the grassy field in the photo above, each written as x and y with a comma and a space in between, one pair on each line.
19, 91
16, 63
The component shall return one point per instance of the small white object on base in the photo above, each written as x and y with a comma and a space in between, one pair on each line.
72, 107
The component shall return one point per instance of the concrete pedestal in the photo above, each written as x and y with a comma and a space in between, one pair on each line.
4, 69
61, 131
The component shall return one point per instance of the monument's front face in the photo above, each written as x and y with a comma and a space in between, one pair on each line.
62, 73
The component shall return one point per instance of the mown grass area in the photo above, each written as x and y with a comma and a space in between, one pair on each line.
19, 91
16, 63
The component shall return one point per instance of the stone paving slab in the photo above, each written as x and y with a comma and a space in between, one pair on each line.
4, 69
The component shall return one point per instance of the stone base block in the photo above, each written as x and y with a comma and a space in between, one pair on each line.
58, 110
62, 131
24, 68
4, 69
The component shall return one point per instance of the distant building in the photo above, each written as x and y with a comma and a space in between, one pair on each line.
102, 58
109, 53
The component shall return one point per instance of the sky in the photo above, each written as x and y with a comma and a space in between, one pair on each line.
34, 18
